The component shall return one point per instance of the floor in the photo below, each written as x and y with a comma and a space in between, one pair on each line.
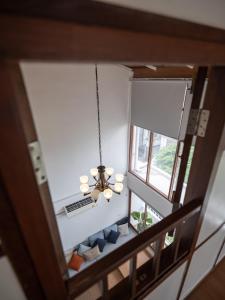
212, 287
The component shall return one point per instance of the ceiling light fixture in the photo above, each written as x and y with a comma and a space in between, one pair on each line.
101, 174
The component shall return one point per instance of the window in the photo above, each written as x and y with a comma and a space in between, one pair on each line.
162, 162
154, 159
142, 216
140, 150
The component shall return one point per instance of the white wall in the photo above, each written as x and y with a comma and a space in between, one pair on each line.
202, 262
169, 288
199, 11
63, 103
10, 288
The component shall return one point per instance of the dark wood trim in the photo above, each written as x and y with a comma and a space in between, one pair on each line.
1, 251
198, 84
218, 255
21, 186
170, 194
82, 281
39, 39
149, 155
105, 33
208, 151
13, 245
210, 236
162, 72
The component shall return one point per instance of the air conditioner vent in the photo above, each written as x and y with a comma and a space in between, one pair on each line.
79, 206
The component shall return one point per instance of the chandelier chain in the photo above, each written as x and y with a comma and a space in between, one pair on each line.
99, 123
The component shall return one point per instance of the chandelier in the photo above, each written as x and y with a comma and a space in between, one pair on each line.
101, 174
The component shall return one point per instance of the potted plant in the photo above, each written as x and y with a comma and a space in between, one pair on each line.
144, 220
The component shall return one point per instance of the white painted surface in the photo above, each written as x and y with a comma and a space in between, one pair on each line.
163, 206
63, 103
169, 288
214, 215
202, 262
10, 288
205, 12
157, 105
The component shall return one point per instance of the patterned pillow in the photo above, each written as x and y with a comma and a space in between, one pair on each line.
123, 229
82, 248
101, 244
113, 237
108, 229
75, 262
92, 253
94, 237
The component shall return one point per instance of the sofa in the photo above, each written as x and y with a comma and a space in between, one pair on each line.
109, 247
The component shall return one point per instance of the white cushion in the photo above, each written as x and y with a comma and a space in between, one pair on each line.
123, 229
92, 253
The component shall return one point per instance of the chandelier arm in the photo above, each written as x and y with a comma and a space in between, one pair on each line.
85, 194
118, 193
91, 185
95, 178
98, 110
110, 183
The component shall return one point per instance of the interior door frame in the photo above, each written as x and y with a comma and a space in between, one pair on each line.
52, 34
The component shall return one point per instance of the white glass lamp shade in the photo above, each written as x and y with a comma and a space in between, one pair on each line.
109, 171
95, 194
84, 187
119, 177
83, 179
108, 193
94, 172
118, 187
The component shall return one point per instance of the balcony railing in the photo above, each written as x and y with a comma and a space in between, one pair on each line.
142, 278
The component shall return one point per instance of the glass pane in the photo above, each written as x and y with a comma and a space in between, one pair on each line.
163, 155
137, 212
140, 151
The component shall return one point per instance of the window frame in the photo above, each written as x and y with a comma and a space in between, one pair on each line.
168, 197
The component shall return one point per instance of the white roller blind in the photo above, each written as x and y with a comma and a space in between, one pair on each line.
157, 105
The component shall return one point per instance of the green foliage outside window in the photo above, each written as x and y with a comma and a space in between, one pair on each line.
165, 159
144, 220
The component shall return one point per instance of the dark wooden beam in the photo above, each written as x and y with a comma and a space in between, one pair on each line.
198, 86
53, 33
162, 72
13, 245
90, 12
24, 195
208, 151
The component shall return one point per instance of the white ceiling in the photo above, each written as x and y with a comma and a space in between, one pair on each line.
208, 12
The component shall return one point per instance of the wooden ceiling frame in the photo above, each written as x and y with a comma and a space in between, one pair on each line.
81, 31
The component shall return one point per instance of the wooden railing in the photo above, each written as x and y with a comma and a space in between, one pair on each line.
140, 280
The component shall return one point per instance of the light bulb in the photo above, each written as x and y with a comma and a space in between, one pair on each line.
109, 171
119, 177
94, 172
83, 179
118, 187
108, 193
95, 194
84, 187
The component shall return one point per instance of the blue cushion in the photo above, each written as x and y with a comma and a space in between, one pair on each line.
101, 244
82, 248
113, 237
123, 221
108, 229
94, 237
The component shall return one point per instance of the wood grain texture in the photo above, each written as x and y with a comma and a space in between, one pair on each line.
21, 186
54, 40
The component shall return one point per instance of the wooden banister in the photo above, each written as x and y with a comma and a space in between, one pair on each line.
101, 268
